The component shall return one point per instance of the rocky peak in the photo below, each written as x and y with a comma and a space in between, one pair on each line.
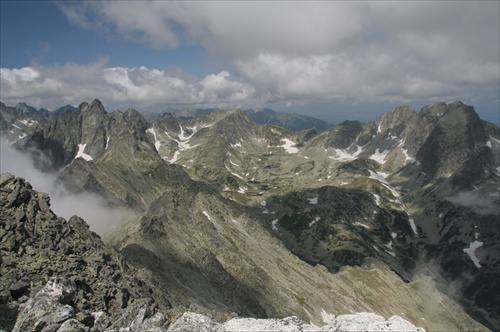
169, 122
95, 106
457, 135
232, 124
83, 106
60, 110
342, 135
433, 111
397, 121
24, 109
132, 116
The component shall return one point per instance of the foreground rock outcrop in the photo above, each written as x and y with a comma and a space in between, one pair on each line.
86, 284
357, 322
53, 309
50, 310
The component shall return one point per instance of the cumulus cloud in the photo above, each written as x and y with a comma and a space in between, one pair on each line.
295, 51
120, 87
100, 218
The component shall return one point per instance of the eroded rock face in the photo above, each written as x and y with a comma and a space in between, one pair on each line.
81, 275
52, 309
49, 308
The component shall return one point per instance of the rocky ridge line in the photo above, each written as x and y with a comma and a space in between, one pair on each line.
88, 281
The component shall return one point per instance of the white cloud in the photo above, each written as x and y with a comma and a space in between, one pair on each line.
237, 30
222, 87
224, 27
100, 218
120, 87
295, 51
478, 202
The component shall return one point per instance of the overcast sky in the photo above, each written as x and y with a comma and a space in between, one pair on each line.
331, 59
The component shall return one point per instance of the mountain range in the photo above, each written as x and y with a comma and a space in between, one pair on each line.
231, 214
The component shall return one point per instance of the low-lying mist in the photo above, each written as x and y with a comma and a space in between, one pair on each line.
101, 219
479, 203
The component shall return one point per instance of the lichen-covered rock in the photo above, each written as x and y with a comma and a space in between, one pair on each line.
72, 325
51, 310
53, 270
48, 309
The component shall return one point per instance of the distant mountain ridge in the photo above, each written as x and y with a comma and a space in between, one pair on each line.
290, 121
223, 198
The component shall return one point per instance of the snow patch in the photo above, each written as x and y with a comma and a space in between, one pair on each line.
380, 156
157, 142
182, 142
27, 122
408, 159
377, 199
392, 253
413, 226
234, 174
207, 215
237, 145
81, 153
175, 157
471, 251
343, 155
381, 177
361, 224
313, 200
107, 143
273, 225
209, 218
289, 146
183, 136
314, 221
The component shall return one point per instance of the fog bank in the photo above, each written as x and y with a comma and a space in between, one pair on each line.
101, 219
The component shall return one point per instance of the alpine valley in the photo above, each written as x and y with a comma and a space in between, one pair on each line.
234, 223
